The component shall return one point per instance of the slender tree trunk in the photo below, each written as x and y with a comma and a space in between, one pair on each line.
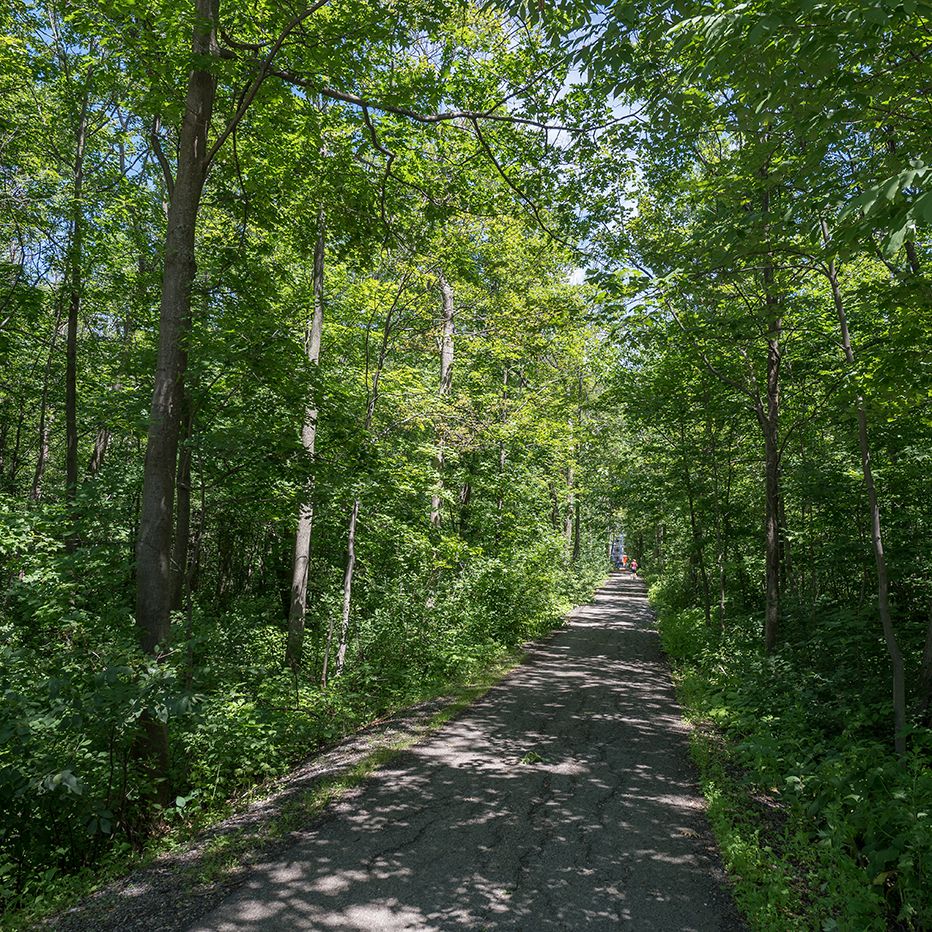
182, 509
43, 455
302, 546
224, 563
570, 508
925, 680
75, 273
153, 547
347, 587
446, 386
500, 501
770, 425
880, 561
350, 566
101, 445
772, 533
698, 548
577, 539
912, 256
190, 584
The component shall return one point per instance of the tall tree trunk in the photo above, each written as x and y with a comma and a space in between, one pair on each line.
347, 587
350, 566
770, 426
880, 561
75, 273
698, 547
570, 514
302, 545
770, 423
925, 680
153, 546
101, 445
500, 501
446, 385
182, 509
577, 539
912, 256
43, 455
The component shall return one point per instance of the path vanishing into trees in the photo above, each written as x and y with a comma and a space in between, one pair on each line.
563, 799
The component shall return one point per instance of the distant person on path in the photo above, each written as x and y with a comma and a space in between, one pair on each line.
634, 567
624, 562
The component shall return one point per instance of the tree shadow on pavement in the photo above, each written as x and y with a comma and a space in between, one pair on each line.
563, 799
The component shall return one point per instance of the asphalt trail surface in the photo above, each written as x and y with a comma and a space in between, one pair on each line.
563, 799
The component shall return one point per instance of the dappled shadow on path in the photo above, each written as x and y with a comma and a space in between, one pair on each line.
564, 799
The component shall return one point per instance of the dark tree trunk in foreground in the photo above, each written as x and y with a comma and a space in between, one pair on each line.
302, 546
153, 546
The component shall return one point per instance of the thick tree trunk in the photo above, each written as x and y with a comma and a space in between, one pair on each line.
153, 546
880, 561
446, 385
302, 546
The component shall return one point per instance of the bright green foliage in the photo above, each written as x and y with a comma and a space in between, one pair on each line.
735, 176
402, 200
782, 188
819, 825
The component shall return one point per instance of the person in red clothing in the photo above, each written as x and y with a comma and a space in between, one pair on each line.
634, 567
624, 562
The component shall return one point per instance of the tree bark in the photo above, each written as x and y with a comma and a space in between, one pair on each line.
347, 587
698, 547
302, 547
446, 385
75, 273
43, 455
153, 547
570, 508
182, 509
98, 455
880, 561
350, 565
925, 680
770, 423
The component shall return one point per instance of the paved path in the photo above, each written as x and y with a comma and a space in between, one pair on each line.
564, 799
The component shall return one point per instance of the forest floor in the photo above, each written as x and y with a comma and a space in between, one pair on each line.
564, 798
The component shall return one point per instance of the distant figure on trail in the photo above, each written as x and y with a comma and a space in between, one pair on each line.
624, 561
634, 567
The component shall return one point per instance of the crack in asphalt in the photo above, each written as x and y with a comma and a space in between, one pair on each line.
603, 827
